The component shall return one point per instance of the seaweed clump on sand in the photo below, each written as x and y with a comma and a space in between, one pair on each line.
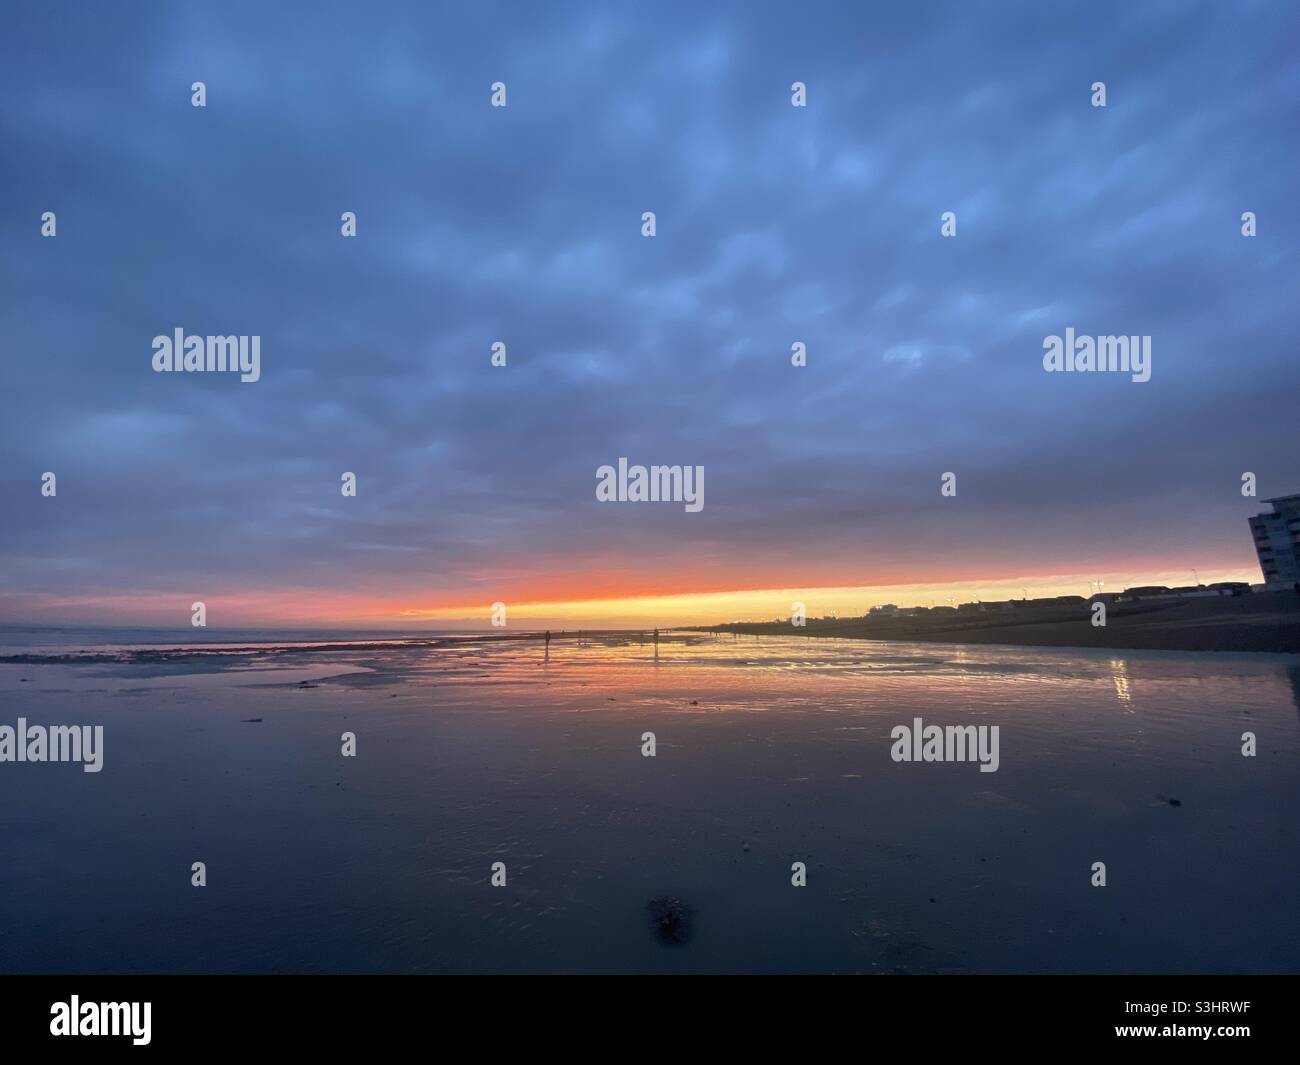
671, 920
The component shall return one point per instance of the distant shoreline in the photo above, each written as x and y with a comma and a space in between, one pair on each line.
1263, 621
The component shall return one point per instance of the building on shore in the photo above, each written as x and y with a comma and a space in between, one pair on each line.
1148, 591
1153, 592
1277, 541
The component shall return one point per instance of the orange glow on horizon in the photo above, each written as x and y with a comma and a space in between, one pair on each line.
604, 603
714, 607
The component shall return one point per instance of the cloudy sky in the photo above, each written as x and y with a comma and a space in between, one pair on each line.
522, 224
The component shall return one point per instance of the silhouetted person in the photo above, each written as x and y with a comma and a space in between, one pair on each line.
548, 643
656, 643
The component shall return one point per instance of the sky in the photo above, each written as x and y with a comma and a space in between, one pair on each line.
522, 224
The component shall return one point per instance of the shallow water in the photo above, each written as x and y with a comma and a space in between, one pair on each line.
769, 751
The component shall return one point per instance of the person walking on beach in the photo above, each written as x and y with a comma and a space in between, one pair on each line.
548, 643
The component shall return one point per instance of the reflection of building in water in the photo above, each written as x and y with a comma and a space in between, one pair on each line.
1119, 674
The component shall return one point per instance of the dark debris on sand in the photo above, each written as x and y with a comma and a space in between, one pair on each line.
670, 918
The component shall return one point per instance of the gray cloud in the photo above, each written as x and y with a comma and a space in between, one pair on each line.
775, 225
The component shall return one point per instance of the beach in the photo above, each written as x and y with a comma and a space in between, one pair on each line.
769, 752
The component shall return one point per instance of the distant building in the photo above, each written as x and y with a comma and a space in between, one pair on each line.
1277, 541
1148, 591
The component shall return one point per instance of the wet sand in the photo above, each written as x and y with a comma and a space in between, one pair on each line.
769, 752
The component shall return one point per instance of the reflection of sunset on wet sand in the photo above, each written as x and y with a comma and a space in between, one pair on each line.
769, 751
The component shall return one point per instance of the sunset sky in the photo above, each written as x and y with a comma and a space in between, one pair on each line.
523, 224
